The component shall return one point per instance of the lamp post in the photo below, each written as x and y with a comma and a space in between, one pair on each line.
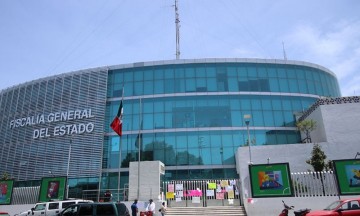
247, 118
52, 174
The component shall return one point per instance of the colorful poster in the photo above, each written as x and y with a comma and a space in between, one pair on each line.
170, 195
210, 193
211, 185
270, 180
224, 183
194, 193
229, 188
6, 190
220, 196
52, 188
218, 188
170, 187
347, 174
179, 187
231, 194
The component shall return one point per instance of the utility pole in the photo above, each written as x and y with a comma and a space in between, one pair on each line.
177, 21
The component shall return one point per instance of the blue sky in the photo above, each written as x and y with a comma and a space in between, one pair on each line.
42, 38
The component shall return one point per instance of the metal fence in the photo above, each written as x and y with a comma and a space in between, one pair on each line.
309, 184
196, 193
25, 195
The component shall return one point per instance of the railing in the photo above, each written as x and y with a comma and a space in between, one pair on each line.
309, 184
25, 195
197, 193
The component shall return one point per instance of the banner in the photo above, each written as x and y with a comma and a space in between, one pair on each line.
6, 190
270, 180
52, 188
347, 174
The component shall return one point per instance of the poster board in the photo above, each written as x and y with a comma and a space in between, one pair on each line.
52, 188
270, 180
6, 191
347, 174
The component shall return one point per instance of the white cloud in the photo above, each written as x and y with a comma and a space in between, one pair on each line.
336, 47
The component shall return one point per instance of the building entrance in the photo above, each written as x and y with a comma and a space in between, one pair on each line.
202, 193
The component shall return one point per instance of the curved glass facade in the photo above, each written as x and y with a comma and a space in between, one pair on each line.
190, 117
192, 113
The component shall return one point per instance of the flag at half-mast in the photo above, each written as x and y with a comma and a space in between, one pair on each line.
116, 124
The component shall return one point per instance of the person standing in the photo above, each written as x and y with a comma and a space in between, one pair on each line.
163, 209
151, 207
107, 196
134, 208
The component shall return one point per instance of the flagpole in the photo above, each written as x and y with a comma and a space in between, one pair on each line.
138, 186
120, 148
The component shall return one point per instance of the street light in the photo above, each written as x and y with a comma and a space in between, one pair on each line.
247, 118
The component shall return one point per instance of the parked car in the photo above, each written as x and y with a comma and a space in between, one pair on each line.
4, 214
104, 209
348, 207
51, 208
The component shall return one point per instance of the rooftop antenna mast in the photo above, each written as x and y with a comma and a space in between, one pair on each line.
285, 58
177, 21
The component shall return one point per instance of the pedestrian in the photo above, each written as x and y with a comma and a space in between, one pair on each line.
134, 208
107, 196
162, 209
151, 207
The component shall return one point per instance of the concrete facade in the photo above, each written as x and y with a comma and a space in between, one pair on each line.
150, 180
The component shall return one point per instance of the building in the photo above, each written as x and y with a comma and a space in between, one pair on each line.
337, 134
191, 117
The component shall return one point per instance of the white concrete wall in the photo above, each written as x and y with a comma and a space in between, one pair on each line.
150, 172
319, 134
342, 123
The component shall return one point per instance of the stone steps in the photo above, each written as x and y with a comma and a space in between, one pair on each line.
205, 211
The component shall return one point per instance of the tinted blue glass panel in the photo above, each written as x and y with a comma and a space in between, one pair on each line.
291, 73
228, 155
227, 139
281, 72
293, 86
138, 75
284, 85
148, 75
216, 155
189, 73
300, 74
274, 85
169, 73
258, 118
158, 74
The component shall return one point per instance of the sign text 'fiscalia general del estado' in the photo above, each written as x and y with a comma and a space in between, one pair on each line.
57, 130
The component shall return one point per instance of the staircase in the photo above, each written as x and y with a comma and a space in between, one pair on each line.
205, 211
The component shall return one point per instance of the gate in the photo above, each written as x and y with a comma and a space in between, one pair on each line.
203, 193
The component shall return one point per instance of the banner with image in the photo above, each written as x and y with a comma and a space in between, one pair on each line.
270, 180
347, 174
52, 188
6, 190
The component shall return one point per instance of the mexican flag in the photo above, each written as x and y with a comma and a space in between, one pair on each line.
116, 124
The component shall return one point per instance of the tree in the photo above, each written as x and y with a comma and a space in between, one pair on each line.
318, 162
5, 176
306, 126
